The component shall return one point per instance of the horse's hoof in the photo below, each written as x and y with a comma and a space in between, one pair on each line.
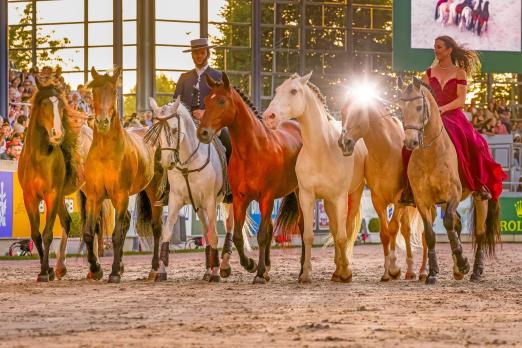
396, 275
206, 277
475, 278
464, 269
385, 279
304, 279
214, 279
153, 275
259, 280
252, 266
430, 280
122, 268
114, 279
42, 278
225, 272
458, 276
160, 277
410, 276
422, 277
96, 275
335, 278
51, 274
347, 279
266, 276
60, 272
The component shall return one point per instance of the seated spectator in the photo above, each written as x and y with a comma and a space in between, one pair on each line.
12, 153
478, 119
16, 139
21, 124
489, 127
6, 129
491, 111
500, 128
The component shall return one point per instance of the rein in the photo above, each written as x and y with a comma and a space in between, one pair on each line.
182, 166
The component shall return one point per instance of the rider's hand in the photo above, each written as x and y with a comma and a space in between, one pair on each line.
198, 114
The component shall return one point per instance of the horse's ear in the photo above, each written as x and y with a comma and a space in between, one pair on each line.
116, 75
94, 73
304, 80
210, 81
225, 79
38, 84
153, 105
416, 83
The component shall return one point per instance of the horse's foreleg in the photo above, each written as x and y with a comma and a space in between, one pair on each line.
225, 269
213, 239
427, 215
460, 262
329, 208
240, 206
263, 237
406, 219
481, 213
175, 204
121, 204
203, 219
92, 211
65, 221
52, 202
341, 215
380, 208
353, 222
307, 203
32, 207
393, 229
157, 215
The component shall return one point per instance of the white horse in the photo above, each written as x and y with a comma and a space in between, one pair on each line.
383, 136
453, 16
322, 171
466, 19
195, 176
444, 14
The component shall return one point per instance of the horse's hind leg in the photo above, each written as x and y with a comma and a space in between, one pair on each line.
240, 207
380, 208
213, 239
203, 218
481, 211
428, 216
225, 269
263, 238
32, 208
307, 203
65, 221
460, 262
157, 214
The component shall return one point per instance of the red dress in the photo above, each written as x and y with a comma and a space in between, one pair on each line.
476, 165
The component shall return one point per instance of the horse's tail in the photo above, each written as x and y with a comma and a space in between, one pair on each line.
143, 211
492, 227
411, 216
287, 219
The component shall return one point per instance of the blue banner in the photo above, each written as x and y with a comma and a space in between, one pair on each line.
6, 204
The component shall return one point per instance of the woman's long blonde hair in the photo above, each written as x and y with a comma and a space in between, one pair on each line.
462, 57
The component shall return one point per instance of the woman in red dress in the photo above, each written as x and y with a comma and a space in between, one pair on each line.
478, 170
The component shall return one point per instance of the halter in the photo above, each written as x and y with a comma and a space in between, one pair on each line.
425, 119
182, 166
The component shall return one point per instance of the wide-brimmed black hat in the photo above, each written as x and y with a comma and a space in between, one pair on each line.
196, 44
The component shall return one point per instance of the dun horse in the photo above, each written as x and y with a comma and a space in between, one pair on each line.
261, 168
434, 177
119, 164
51, 167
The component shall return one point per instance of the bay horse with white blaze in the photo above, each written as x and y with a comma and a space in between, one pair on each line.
119, 164
261, 167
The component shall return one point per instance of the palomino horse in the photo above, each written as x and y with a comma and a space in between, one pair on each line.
384, 138
261, 168
195, 175
434, 177
322, 171
119, 164
50, 167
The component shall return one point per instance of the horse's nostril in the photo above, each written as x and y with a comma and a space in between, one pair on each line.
204, 133
271, 116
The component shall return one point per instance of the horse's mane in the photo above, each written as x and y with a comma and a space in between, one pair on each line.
247, 101
70, 143
319, 96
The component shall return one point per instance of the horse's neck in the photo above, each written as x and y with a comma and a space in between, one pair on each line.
434, 125
314, 124
37, 139
382, 134
189, 143
246, 129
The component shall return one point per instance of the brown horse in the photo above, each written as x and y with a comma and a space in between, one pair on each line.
119, 164
50, 167
434, 177
261, 168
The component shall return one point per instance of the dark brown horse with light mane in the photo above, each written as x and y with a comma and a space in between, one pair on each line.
119, 164
51, 167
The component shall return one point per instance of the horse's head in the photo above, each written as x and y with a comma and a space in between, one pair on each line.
48, 112
170, 129
356, 123
105, 92
416, 111
289, 100
220, 108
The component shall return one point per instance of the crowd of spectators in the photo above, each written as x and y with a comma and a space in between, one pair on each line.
495, 119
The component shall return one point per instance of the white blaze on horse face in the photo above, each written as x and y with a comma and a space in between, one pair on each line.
56, 131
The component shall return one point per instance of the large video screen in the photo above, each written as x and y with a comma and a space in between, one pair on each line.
493, 25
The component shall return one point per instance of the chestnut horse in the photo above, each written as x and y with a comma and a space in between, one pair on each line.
261, 168
50, 167
119, 164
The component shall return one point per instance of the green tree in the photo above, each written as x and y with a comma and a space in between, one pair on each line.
163, 85
20, 41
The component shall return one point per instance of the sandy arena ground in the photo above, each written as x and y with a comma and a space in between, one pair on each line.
187, 312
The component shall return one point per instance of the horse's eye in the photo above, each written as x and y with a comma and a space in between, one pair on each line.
419, 108
293, 91
221, 102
